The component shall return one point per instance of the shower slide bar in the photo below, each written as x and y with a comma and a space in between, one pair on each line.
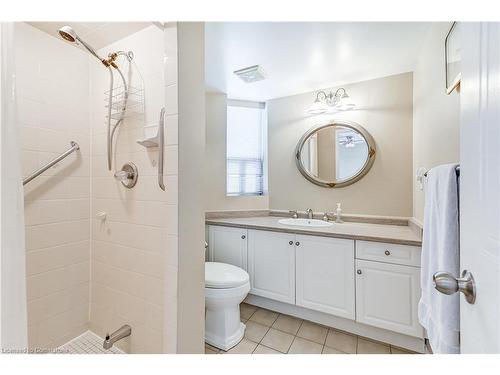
74, 147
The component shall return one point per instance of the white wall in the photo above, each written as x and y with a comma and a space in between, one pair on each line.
435, 114
134, 253
215, 162
384, 109
191, 289
53, 109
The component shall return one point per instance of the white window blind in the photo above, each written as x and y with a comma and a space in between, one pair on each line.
245, 148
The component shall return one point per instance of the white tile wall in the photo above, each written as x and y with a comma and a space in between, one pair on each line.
134, 252
53, 86
82, 273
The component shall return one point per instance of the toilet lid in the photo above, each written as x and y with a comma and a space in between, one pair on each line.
223, 276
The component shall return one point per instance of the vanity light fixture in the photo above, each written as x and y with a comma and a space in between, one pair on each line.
331, 102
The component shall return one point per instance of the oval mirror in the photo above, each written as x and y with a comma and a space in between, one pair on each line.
336, 154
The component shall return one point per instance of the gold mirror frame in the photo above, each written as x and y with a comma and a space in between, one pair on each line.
337, 183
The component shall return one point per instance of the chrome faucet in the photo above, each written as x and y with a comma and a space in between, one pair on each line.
309, 213
119, 334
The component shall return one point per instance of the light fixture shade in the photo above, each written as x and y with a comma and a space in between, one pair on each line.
345, 104
317, 108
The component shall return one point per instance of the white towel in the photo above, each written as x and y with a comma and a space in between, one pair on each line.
438, 313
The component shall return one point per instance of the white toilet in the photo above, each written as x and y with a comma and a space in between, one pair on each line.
226, 286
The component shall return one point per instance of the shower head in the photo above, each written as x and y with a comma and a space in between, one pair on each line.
67, 33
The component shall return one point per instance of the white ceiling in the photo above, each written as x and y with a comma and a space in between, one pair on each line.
97, 34
302, 57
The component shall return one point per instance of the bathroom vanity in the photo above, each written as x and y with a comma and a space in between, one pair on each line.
358, 277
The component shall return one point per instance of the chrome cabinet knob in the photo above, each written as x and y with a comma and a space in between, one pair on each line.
243, 237
290, 243
359, 272
387, 252
297, 243
448, 284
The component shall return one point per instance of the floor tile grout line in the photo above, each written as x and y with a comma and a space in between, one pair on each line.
301, 323
259, 343
252, 313
324, 342
268, 329
294, 338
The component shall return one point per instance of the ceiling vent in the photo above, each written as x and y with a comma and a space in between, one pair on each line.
251, 74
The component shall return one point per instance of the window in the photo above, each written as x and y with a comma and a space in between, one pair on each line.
245, 148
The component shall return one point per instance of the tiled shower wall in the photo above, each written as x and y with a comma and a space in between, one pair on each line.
53, 109
134, 251
84, 273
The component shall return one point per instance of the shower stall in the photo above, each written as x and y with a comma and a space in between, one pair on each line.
98, 270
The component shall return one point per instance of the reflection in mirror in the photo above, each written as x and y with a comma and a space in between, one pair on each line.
335, 155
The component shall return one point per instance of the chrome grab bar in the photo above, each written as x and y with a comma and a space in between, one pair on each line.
161, 147
74, 147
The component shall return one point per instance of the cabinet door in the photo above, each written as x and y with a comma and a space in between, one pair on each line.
387, 296
325, 275
271, 265
228, 245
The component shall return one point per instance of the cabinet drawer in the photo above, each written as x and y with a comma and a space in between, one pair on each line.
388, 253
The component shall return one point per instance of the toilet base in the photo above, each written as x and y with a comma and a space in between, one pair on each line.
226, 343
223, 326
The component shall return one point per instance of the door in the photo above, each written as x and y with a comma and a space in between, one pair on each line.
480, 185
228, 245
387, 296
325, 275
271, 265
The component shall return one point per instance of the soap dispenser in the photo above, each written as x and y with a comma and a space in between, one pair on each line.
338, 214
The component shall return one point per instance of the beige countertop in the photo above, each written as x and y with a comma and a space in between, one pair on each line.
357, 231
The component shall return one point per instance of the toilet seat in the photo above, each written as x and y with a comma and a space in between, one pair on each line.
224, 276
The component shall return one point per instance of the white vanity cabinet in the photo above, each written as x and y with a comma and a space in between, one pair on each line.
228, 245
325, 275
373, 285
271, 265
387, 296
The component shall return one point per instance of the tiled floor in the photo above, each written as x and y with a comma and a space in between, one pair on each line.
87, 343
269, 332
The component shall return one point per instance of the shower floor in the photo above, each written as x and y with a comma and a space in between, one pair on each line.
87, 343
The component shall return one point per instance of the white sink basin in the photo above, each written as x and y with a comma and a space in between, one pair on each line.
305, 223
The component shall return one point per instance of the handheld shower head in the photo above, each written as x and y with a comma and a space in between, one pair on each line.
68, 33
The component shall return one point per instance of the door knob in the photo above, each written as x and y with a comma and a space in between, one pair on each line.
446, 283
